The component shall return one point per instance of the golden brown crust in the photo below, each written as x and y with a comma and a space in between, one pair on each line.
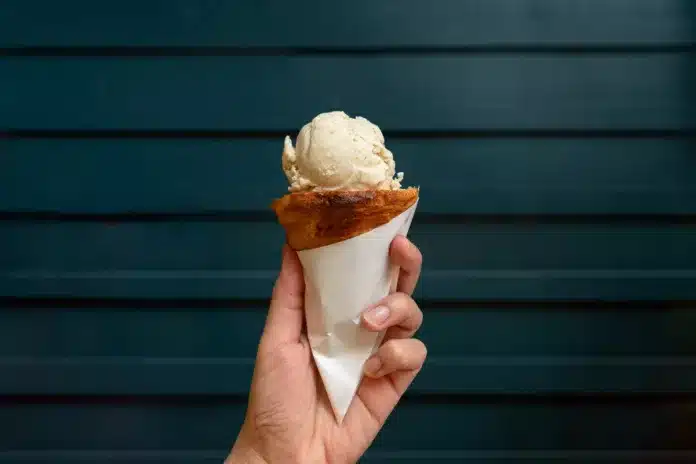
318, 218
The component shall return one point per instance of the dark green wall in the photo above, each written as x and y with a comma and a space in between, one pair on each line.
555, 146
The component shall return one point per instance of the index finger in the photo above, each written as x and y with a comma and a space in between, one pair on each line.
408, 257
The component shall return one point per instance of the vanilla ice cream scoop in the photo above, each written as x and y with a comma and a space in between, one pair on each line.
335, 151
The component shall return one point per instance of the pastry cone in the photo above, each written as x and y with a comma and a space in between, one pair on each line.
315, 219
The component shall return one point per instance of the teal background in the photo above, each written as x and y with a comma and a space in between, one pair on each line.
555, 146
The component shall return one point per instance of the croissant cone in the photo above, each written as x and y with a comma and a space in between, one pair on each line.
315, 219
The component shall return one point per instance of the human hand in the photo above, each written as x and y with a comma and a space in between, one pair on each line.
289, 418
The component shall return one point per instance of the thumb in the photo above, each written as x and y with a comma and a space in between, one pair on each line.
286, 312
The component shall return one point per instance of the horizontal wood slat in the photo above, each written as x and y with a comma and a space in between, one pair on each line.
515, 285
464, 261
612, 285
457, 176
509, 92
198, 352
487, 332
472, 375
192, 246
148, 425
312, 23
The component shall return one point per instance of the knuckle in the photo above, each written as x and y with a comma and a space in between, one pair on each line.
423, 348
396, 353
417, 315
407, 309
399, 302
423, 356
416, 255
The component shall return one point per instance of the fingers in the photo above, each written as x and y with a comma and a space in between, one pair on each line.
408, 257
389, 372
286, 312
398, 313
396, 355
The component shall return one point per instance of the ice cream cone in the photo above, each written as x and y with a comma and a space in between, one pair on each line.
345, 207
319, 218
343, 239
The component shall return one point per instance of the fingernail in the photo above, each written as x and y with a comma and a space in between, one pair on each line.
372, 366
377, 315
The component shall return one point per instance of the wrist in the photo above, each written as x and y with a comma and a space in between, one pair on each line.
244, 456
244, 453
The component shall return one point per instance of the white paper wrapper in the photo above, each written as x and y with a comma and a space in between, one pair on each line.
342, 280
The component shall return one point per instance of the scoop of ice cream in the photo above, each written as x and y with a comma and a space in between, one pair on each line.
335, 151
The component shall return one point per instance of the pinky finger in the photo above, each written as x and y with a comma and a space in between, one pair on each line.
397, 355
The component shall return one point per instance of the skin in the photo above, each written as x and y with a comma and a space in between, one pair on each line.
289, 418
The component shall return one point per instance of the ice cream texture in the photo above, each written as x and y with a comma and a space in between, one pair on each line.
337, 152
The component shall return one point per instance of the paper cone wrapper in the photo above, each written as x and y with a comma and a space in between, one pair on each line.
342, 280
